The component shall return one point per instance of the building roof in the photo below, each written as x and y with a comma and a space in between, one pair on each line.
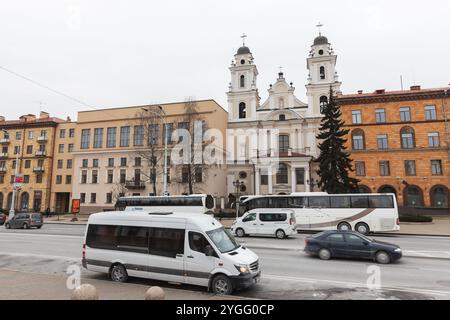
320, 40
243, 50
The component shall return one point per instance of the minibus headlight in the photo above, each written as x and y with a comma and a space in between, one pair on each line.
242, 268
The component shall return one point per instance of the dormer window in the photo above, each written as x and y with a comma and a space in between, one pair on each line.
322, 73
242, 81
242, 110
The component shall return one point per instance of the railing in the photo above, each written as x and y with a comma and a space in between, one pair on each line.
42, 139
5, 141
275, 152
3, 155
2, 169
135, 185
41, 153
39, 169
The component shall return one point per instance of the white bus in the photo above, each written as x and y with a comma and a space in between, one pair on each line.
192, 249
197, 203
364, 213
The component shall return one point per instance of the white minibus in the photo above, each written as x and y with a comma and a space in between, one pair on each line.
172, 247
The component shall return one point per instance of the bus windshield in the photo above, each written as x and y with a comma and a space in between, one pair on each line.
223, 240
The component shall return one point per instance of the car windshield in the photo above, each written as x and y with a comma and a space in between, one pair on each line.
365, 238
223, 240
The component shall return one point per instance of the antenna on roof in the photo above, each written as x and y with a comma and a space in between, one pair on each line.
401, 81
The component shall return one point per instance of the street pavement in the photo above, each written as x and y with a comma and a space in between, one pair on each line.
287, 273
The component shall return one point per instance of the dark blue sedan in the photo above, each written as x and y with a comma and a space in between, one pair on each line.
352, 245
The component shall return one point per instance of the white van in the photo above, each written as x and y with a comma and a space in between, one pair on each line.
275, 222
173, 247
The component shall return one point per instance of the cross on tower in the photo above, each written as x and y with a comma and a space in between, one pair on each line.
243, 38
319, 26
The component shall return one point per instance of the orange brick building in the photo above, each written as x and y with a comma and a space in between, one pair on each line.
400, 143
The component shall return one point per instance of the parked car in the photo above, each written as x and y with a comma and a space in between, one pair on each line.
25, 221
2, 218
350, 244
270, 222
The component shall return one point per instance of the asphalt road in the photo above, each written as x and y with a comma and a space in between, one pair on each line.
287, 272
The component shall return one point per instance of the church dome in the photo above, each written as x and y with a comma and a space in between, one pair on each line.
243, 50
320, 40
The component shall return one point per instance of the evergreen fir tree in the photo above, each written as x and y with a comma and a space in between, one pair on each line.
334, 161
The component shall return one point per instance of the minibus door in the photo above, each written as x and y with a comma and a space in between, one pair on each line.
198, 266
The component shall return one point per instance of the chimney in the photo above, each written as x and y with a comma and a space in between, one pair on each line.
2, 119
415, 88
27, 117
68, 119
380, 91
44, 115
360, 92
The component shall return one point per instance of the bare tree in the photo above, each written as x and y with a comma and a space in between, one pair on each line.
118, 190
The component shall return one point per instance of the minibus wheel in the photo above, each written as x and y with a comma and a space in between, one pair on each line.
280, 234
222, 285
240, 233
118, 273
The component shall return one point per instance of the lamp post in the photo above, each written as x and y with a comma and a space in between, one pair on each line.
238, 184
13, 198
166, 193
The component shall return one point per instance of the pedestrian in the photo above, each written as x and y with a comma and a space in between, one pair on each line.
47, 212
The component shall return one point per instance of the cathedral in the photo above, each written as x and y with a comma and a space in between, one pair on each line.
272, 144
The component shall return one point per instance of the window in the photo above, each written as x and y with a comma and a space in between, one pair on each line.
85, 138
26, 178
242, 81
360, 202
323, 104
30, 135
109, 198
110, 176
322, 73
433, 140
84, 177
27, 164
319, 202
95, 163
123, 162
410, 167
58, 179
197, 242
169, 128
382, 202
414, 197
111, 137
133, 239
340, 202
283, 143
282, 174
68, 179
250, 217
282, 117
40, 163
94, 176
272, 217
93, 197
353, 239
300, 176
242, 110
29, 149
153, 134
436, 167
69, 164
2, 178
137, 175
70, 148
82, 197
138, 162
60, 164
98, 138
18, 135
44, 133
405, 114
335, 238
358, 139
123, 176
39, 178
62, 133
382, 141
385, 169
61, 148
360, 169
198, 173
16, 149
71, 133
125, 136
166, 242
408, 138
84, 163
183, 127
380, 115
111, 162
356, 117
138, 135
264, 179
430, 113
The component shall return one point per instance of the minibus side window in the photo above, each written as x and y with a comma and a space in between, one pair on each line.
272, 217
166, 242
102, 237
250, 217
198, 242
133, 239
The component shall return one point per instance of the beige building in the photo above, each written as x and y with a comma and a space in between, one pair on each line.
112, 149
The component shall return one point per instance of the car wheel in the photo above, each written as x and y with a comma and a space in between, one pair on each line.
280, 234
222, 285
383, 257
119, 273
362, 228
39, 227
344, 226
240, 233
324, 254
25, 225
7, 226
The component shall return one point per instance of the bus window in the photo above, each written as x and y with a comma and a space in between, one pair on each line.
381, 202
340, 202
297, 202
259, 203
319, 202
360, 202
280, 203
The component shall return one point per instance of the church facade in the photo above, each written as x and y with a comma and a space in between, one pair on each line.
272, 144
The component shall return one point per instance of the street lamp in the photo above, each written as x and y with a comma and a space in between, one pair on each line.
166, 193
13, 198
238, 184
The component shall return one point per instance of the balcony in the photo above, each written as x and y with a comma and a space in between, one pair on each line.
5, 141
39, 169
289, 153
2, 169
42, 139
41, 153
135, 185
3, 154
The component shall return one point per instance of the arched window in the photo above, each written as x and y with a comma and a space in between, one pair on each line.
323, 104
439, 197
358, 141
242, 110
282, 174
283, 143
242, 81
413, 196
387, 189
24, 201
322, 73
1, 200
282, 117
364, 189
408, 139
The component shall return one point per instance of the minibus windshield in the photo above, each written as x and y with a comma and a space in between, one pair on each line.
223, 240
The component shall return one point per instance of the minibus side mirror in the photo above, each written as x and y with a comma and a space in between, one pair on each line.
209, 251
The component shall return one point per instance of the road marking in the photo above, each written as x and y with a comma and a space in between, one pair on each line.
42, 256
355, 284
40, 235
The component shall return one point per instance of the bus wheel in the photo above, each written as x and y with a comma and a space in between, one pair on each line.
240, 233
119, 273
344, 226
362, 228
222, 285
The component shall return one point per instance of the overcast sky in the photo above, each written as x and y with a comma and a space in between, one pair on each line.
109, 53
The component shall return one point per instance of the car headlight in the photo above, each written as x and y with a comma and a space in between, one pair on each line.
242, 268
398, 250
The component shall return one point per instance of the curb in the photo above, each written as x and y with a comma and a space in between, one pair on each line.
66, 223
